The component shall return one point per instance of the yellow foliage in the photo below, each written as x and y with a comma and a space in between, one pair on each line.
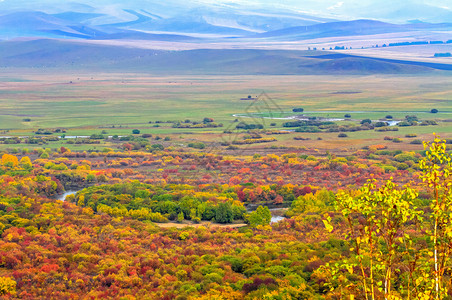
293, 161
25, 162
9, 160
7, 286
226, 294
81, 200
264, 227
272, 157
88, 211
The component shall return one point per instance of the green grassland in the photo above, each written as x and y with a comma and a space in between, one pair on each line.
84, 104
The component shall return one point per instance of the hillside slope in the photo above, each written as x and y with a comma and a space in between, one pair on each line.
76, 56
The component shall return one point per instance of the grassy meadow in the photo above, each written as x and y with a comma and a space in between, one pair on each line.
84, 104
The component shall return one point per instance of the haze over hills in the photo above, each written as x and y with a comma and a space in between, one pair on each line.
362, 28
435, 11
171, 17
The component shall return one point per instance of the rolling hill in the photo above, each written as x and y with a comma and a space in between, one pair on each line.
352, 28
69, 55
231, 38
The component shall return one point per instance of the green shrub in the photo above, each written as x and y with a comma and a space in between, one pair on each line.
402, 166
197, 145
389, 169
416, 142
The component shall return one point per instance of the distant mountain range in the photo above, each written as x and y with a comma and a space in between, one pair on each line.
135, 19
357, 27
78, 20
111, 11
61, 33
143, 25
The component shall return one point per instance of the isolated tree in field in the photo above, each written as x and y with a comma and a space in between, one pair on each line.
381, 124
136, 131
411, 118
434, 111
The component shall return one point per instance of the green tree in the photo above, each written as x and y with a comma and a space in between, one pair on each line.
180, 217
25, 163
224, 213
44, 155
261, 216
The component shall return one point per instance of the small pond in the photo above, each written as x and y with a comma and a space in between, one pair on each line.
277, 214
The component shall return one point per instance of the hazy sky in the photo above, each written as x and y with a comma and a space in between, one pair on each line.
331, 3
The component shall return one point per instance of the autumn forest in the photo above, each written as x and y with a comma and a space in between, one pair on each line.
373, 224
